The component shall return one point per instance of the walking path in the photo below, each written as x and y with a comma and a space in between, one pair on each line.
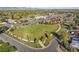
59, 28
42, 45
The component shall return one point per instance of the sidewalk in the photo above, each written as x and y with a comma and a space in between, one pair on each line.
43, 46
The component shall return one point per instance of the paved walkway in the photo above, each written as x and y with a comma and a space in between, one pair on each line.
59, 28
42, 45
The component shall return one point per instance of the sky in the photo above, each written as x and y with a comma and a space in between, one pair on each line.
39, 3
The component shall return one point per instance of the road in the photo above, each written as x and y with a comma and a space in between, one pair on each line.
23, 48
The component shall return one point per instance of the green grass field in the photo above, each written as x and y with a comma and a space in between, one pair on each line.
38, 30
35, 30
6, 47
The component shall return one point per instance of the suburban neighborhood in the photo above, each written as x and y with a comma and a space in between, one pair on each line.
39, 30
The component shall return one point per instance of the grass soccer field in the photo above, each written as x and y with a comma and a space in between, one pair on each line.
35, 31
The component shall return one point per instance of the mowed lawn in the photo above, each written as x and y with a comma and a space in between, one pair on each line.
35, 30
6, 47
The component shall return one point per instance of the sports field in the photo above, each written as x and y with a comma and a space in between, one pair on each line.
36, 31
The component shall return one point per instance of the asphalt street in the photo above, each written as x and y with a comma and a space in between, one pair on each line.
23, 48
